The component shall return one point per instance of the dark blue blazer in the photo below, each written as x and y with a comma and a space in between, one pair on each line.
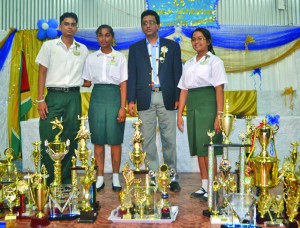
139, 74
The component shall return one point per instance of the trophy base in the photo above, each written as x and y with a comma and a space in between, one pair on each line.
289, 224
63, 217
87, 216
10, 217
39, 222
141, 171
121, 212
273, 224
206, 213
165, 213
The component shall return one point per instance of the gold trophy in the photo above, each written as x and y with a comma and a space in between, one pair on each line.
10, 167
137, 156
57, 151
226, 121
128, 175
87, 212
39, 193
163, 183
264, 166
36, 155
83, 153
10, 193
211, 134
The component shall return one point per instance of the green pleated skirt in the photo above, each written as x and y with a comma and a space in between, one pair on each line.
103, 112
201, 109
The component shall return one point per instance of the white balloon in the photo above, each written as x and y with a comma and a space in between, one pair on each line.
45, 26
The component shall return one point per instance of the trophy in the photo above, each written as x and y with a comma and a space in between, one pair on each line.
39, 193
10, 167
226, 122
137, 156
87, 213
10, 193
128, 175
264, 166
36, 155
211, 134
22, 187
57, 151
83, 153
163, 181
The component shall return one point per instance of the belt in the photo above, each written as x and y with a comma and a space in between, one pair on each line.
156, 89
63, 89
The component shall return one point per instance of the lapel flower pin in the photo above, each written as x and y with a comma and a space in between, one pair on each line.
205, 60
163, 52
76, 51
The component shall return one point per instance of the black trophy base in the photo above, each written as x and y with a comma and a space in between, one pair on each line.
141, 171
165, 213
206, 213
97, 206
289, 224
39, 222
63, 217
87, 217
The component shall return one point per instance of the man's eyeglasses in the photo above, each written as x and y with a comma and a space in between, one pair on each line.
145, 23
70, 24
194, 39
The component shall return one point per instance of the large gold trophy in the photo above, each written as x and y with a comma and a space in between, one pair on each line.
226, 121
57, 151
137, 156
264, 166
164, 182
83, 153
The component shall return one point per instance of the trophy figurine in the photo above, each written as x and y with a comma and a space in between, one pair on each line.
39, 193
36, 155
137, 156
264, 166
10, 167
163, 183
57, 151
83, 153
226, 121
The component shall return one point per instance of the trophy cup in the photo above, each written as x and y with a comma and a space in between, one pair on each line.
211, 134
137, 156
36, 155
57, 151
10, 193
83, 153
226, 122
164, 182
264, 166
39, 193
87, 213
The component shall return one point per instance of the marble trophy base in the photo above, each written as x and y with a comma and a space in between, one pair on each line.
39, 222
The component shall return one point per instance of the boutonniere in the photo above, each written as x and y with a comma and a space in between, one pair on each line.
205, 60
163, 52
76, 51
113, 59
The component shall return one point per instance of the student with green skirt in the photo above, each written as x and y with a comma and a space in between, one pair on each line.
106, 69
202, 91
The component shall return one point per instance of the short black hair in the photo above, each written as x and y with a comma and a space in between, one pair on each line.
67, 15
152, 13
110, 29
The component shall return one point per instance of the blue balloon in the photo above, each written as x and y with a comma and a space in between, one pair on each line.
51, 33
53, 23
41, 34
40, 22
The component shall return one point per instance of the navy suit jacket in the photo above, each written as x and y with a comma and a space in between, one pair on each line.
139, 74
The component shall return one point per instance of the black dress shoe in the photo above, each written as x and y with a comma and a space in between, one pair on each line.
175, 187
101, 187
116, 188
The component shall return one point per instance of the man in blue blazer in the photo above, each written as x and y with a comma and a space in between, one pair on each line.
154, 70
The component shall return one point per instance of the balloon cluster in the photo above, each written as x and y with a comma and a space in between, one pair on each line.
47, 29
